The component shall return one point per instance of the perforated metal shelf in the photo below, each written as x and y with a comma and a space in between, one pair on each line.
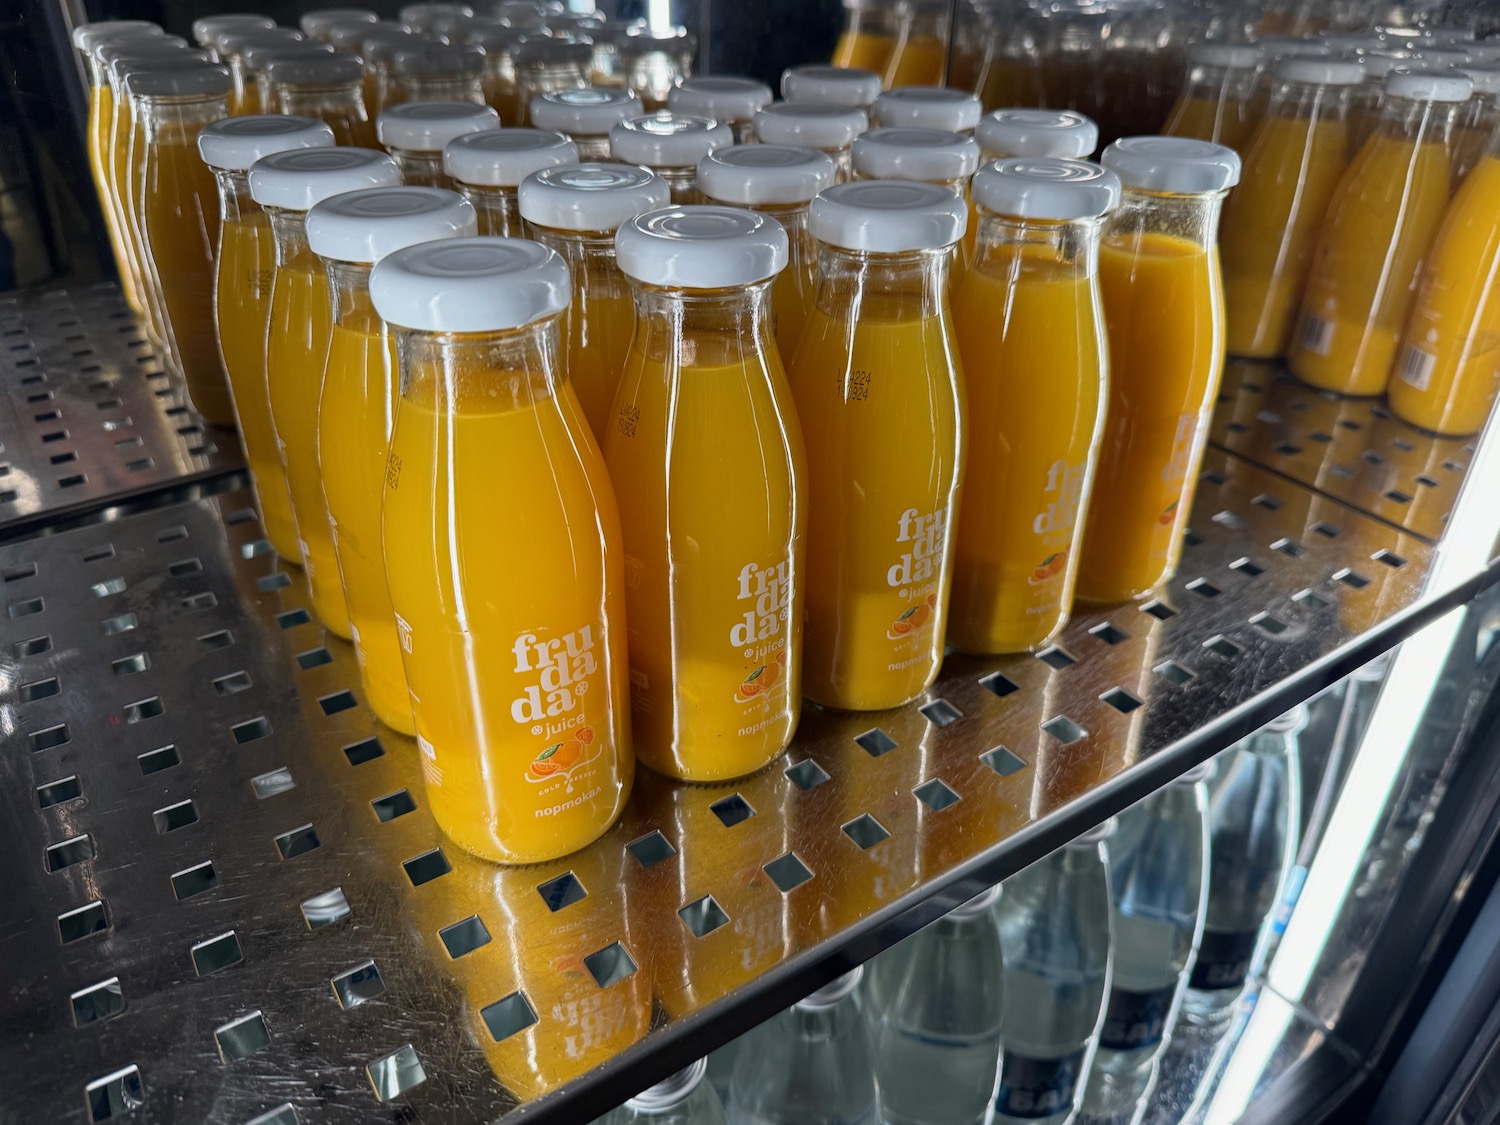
228, 901
88, 414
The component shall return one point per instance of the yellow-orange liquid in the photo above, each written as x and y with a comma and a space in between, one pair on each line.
242, 304
916, 60
355, 417
1379, 225
1448, 373
1163, 306
503, 551
707, 464
864, 50
296, 353
1226, 121
882, 403
598, 327
1270, 228
1030, 333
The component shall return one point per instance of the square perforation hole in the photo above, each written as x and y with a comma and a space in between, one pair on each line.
1267, 501
1426, 481
325, 908
510, 1015
221, 638
354, 986
183, 567
393, 805
115, 1095
1289, 547
98, 1002
173, 817
1064, 729
56, 792
1210, 476
1268, 624
74, 925
866, 831
1002, 761
241, 1038
464, 937
703, 917
787, 872
1121, 700
18, 573
940, 713
299, 841
292, 618
1311, 600
162, 758
1056, 658
25, 608
1326, 530
396, 1073
313, 658
251, 730
1190, 538
1351, 578
1173, 672
205, 600
610, 965
109, 587
365, 750
806, 775
1109, 634
143, 709
874, 742
1395, 495
1231, 520
239, 516
130, 665
732, 810
272, 782
1288, 449
1248, 567
1204, 588
936, 794
274, 581
426, 867
195, 880
256, 549
998, 685
1223, 646
562, 892
69, 853
39, 689
338, 701
233, 684
32, 646
120, 623
1159, 610
217, 953
1390, 558
651, 849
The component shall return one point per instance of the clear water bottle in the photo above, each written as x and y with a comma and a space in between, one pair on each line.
810, 1065
683, 1099
1252, 807
1055, 921
1116, 1098
934, 1004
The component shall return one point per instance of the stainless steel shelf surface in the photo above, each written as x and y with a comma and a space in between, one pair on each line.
230, 901
88, 413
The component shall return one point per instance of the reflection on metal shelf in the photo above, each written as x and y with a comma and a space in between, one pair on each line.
222, 835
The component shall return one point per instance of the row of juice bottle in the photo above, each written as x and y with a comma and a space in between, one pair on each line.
492, 628
1051, 998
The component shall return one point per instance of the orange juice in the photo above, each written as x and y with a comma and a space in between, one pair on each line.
1380, 223
1035, 382
1271, 222
514, 651
714, 604
1218, 102
1449, 369
328, 87
865, 50
878, 386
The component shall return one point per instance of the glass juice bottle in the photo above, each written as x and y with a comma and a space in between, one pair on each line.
179, 213
230, 46
829, 128
1379, 226
831, 85
487, 167
714, 606
1036, 382
780, 181
498, 42
357, 409
920, 54
287, 185
317, 23
415, 133
438, 72
1164, 313
242, 297
654, 63
734, 101
926, 107
934, 156
869, 35
1293, 164
257, 58
1218, 102
585, 115
1368, 97
1478, 120
877, 378
670, 144
330, 88
207, 29
519, 701
683, 1099
377, 48
575, 210
434, 19
1035, 132
546, 63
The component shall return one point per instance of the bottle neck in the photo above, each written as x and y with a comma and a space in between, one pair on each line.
702, 327
289, 229
1191, 217
442, 87
1416, 122
235, 204
420, 168
1222, 83
314, 101
498, 210
349, 287
179, 120
856, 284
1005, 246
480, 372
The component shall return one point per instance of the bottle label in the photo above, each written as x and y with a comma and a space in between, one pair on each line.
1135, 1020
556, 676
1415, 367
1223, 959
1032, 1087
920, 541
763, 599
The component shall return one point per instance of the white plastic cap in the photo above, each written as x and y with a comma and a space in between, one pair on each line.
505, 157
831, 994
1445, 56
1319, 72
470, 285
420, 57
365, 226
421, 17
206, 30
752, 175
816, 124
673, 1091
592, 197
1038, 132
927, 107
119, 59
235, 143
258, 56
201, 80
836, 85
233, 41
589, 112
1046, 187
1428, 85
354, 36
429, 126
1378, 64
701, 247
1172, 164
299, 179
315, 70
87, 36
667, 140
1094, 835
886, 216
915, 154
537, 49
723, 99
1486, 79
317, 22
1236, 56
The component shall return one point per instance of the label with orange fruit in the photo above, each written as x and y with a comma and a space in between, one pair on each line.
1167, 514
914, 618
763, 681
1053, 565
561, 758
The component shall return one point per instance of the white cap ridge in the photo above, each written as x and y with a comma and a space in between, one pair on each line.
429, 126
667, 140
723, 99
1429, 85
590, 112
590, 197
470, 285
1037, 132
757, 175
816, 124
235, 143
207, 29
201, 81
915, 154
505, 157
1046, 187
1319, 72
671, 1091
888, 216
299, 179
701, 247
1172, 164
927, 107
837, 85
366, 225
315, 24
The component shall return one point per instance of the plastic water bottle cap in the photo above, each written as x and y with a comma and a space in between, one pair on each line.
673, 1091
1173, 164
299, 179
1319, 72
830, 994
1236, 56
235, 143
1037, 132
87, 36
200, 80
590, 197
701, 247
723, 99
752, 175
1428, 85
976, 905
429, 126
207, 29
927, 107
1046, 187
1094, 835
317, 22
888, 216
365, 226
817, 124
505, 157
589, 112
915, 154
470, 285
838, 85
667, 140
